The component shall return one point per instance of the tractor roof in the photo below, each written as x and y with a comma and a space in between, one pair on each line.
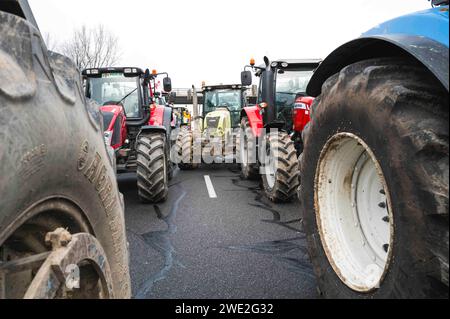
308, 63
93, 72
223, 87
299, 61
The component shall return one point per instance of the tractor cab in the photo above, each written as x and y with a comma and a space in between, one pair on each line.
282, 91
222, 106
124, 92
122, 87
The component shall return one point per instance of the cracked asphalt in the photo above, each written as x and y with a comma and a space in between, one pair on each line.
238, 245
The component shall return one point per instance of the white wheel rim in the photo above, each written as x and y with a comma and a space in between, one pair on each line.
354, 212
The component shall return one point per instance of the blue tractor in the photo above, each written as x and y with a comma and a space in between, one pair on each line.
376, 156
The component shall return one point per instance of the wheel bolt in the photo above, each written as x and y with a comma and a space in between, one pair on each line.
382, 205
386, 219
382, 192
386, 247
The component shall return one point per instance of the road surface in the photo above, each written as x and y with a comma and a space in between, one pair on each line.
217, 236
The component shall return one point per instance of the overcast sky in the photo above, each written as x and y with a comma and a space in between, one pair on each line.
212, 40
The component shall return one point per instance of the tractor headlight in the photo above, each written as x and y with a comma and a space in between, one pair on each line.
108, 137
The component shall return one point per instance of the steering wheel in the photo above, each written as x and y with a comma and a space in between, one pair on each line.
225, 105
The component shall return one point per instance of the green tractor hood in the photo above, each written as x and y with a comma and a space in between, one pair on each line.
217, 122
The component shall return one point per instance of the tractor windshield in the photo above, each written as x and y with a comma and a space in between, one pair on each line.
232, 99
115, 88
229, 98
289, 83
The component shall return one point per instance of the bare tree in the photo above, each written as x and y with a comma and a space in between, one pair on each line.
92, 48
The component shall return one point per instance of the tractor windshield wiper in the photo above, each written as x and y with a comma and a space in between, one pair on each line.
134, 90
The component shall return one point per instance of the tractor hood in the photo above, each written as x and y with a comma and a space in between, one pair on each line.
217, 122
116, 109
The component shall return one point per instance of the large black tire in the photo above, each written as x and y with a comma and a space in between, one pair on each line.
185, 142
152, 167
54, 167
401, 112
286, 180
248, 157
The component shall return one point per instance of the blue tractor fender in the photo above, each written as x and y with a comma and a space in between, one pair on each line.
423, 36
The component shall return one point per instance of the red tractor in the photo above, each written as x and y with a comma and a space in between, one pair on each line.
136, 125
270, 137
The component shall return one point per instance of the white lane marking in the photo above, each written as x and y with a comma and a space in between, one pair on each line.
210, 187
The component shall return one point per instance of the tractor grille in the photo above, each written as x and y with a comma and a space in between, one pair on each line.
212, 122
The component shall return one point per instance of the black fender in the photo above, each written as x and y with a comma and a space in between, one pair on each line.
431, 54
153, 128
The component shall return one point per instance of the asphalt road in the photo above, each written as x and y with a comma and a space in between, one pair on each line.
238, 245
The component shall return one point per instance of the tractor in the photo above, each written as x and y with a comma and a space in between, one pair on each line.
270, 137
374, 169
62, 225
212, 137
137, 124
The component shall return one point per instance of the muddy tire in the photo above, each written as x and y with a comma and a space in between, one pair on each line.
247, 151
55, 170
185, 149
398, 112
279, 168
152, 167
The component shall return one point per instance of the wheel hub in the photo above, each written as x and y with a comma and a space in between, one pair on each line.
77, 267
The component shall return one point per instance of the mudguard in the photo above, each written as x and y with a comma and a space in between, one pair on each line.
423, 35
255, 119
153, 128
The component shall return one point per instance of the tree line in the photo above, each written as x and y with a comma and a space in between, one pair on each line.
93, 47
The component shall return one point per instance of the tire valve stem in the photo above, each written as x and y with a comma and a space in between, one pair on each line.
382, 205
386, 247
386, 219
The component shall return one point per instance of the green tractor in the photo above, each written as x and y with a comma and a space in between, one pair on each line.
214, 127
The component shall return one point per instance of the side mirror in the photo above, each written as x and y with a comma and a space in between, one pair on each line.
167, 84
246, 78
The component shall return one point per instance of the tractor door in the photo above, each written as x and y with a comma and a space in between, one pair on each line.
289, 85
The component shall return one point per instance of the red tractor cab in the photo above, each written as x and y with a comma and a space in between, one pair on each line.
135, 124
271, 130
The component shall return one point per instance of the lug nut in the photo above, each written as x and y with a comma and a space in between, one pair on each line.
386, 247
386, 219
382, 192
382, 205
